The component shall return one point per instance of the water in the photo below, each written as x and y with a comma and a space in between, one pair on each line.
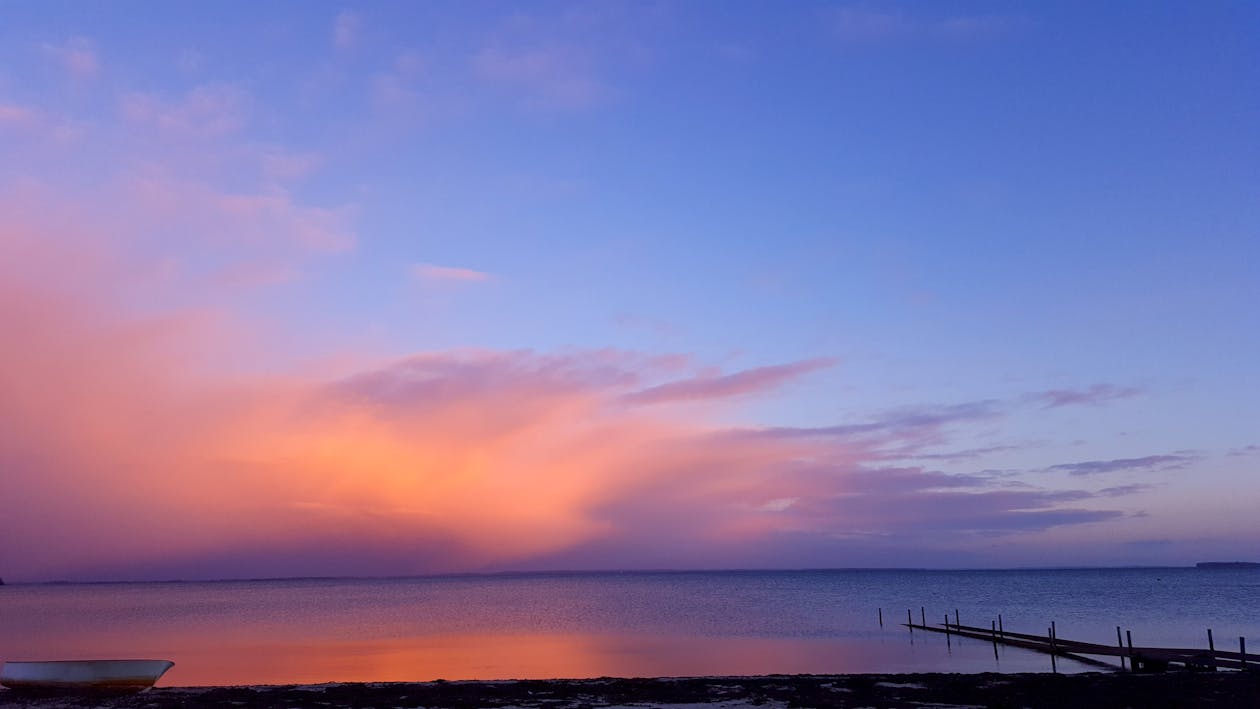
614, 624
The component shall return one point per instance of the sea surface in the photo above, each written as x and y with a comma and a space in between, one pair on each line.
615, 624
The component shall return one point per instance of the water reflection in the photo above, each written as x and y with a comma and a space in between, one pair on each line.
584, 626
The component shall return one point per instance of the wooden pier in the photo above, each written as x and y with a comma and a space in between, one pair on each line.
1138, 658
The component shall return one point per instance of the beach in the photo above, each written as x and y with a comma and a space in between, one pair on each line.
1031, 690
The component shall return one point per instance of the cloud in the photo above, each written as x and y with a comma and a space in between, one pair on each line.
76, 57
548, 76
12, 114
1150, 462
27, 123
871, 24
207, 111
262, 222
1244, 451
1122, 490
430, 273
865, 24
749, 381
1096, 394
437, 461
917, 424
285, 166
966, 454
346, 29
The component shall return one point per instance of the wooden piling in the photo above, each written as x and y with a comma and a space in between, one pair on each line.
910, 621
1001, 630
957, 623
1120, 644
1133, 665
922, 615
993, 632
881, 617
1054, 666
948, 643
1242, 650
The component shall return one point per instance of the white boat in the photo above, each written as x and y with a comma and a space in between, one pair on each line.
84, 675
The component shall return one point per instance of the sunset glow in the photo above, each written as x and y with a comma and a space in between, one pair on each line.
401, 289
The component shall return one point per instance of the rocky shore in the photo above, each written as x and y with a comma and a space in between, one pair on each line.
1033, 691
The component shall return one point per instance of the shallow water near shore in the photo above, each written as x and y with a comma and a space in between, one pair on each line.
615, 624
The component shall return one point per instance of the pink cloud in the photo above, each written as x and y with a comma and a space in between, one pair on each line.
16, 115
284, 166
208, 111
749, 381
346, 29
76, 57
141, 440
29, 122
264, 220
430, 273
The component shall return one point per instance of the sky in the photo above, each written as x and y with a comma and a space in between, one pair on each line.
388, 288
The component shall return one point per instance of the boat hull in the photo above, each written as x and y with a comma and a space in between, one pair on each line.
83, 675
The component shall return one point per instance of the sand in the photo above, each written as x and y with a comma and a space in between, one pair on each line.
922, 691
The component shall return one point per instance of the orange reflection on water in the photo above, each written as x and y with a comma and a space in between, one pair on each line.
538, 656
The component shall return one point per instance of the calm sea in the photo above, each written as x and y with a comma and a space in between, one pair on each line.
614, 624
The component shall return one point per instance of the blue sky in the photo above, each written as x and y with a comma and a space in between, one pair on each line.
1035, 221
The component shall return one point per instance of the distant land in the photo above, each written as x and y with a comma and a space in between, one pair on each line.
1228, 565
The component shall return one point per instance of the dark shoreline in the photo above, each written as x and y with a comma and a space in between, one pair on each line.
1033, 691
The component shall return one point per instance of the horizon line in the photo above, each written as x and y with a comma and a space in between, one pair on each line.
596, 572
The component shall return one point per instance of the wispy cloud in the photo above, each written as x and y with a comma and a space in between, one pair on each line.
77, 58
207, 111
430, 273
749, 381
1150, 462
1123, 490
12, 114
253, 221
282, 165
965, 454
1096, 394
552, 76
869, 23
900, 422
345, 31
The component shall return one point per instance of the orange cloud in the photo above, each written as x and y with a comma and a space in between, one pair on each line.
129, 444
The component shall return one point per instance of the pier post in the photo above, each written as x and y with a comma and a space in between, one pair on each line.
881, 617
1054, 666
957, 623
993, 634
910, 621
922, 616
948, 642
1211, 651
1001, 630
1242, 651
1120, 644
